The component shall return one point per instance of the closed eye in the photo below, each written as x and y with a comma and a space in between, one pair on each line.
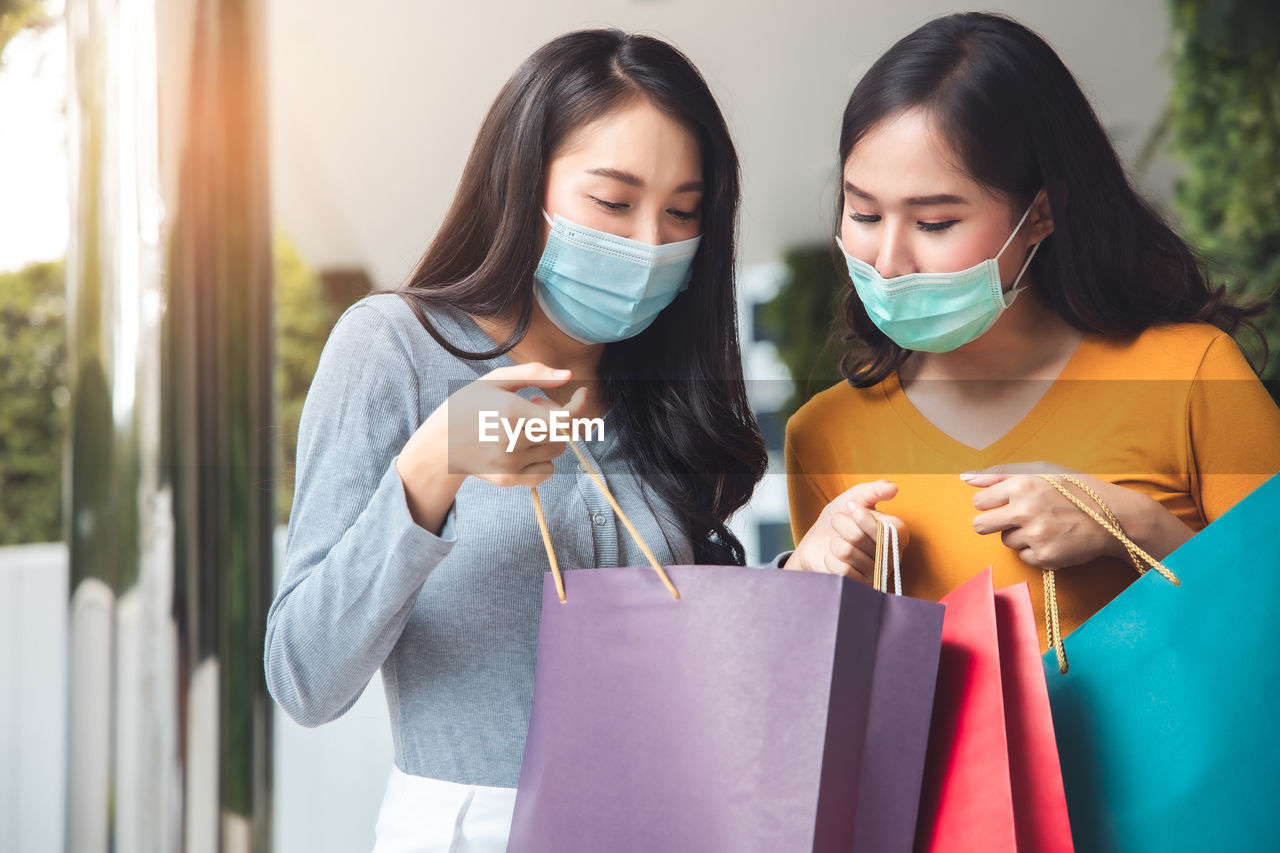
864, 217
936, 226
682, 215
614, 206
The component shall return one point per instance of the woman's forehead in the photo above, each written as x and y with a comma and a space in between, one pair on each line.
906, 157
638, 139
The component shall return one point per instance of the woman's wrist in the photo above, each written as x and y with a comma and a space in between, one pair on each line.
1160, 531
430, 486
1145, 520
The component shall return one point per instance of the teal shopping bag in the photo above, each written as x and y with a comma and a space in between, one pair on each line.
1166, 717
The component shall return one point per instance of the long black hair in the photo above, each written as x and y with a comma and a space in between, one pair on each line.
1018, 122
676, 389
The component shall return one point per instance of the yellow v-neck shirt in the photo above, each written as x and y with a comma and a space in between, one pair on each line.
1174, 412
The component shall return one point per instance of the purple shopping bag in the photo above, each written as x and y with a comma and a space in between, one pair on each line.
763, 711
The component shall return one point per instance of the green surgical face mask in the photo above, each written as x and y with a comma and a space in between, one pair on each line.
936, 311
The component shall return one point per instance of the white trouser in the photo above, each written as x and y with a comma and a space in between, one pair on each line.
421, 815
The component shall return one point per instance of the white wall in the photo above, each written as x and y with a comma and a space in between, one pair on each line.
374, 106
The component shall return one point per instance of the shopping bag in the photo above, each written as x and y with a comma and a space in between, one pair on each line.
992, 780
898, 721
967, 799
1165, 715
1041, 824
733, 718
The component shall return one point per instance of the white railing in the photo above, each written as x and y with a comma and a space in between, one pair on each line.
328, 780
33, 688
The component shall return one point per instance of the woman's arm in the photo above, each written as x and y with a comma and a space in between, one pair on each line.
356, 560
1233, 429
372, 501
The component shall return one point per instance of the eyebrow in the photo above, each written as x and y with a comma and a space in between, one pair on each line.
634, 181
914, 201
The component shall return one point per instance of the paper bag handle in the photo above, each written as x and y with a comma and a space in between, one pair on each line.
886, 558
546, 535
1141, 559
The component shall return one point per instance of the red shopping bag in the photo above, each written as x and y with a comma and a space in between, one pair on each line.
992, 781
1039, 800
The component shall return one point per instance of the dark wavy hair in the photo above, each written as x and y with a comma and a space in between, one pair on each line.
1018, 121
676, 389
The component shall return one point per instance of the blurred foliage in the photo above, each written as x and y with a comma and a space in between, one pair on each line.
33, 403
1224, 123
19, 15
305, 311
805, 321
34, 396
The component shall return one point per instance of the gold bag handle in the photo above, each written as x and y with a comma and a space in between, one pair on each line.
1141, 559
546, 535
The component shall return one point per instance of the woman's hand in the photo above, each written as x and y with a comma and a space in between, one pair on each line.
843, 539
446, 448
1049, 532
504, 463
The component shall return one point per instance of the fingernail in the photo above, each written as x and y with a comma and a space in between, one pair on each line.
968, 475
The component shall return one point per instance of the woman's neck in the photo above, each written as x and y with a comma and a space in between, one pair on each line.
1029, 341
990, 385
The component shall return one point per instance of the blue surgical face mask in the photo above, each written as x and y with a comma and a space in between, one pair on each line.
599, 288
936, 311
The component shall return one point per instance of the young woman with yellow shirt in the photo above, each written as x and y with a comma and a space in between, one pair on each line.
1015, 308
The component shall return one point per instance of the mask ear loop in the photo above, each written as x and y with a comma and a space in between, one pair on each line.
1014, 290
1018, 227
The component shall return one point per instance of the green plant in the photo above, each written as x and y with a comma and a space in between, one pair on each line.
804, 321
303, 318
33, 403
1224, 122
